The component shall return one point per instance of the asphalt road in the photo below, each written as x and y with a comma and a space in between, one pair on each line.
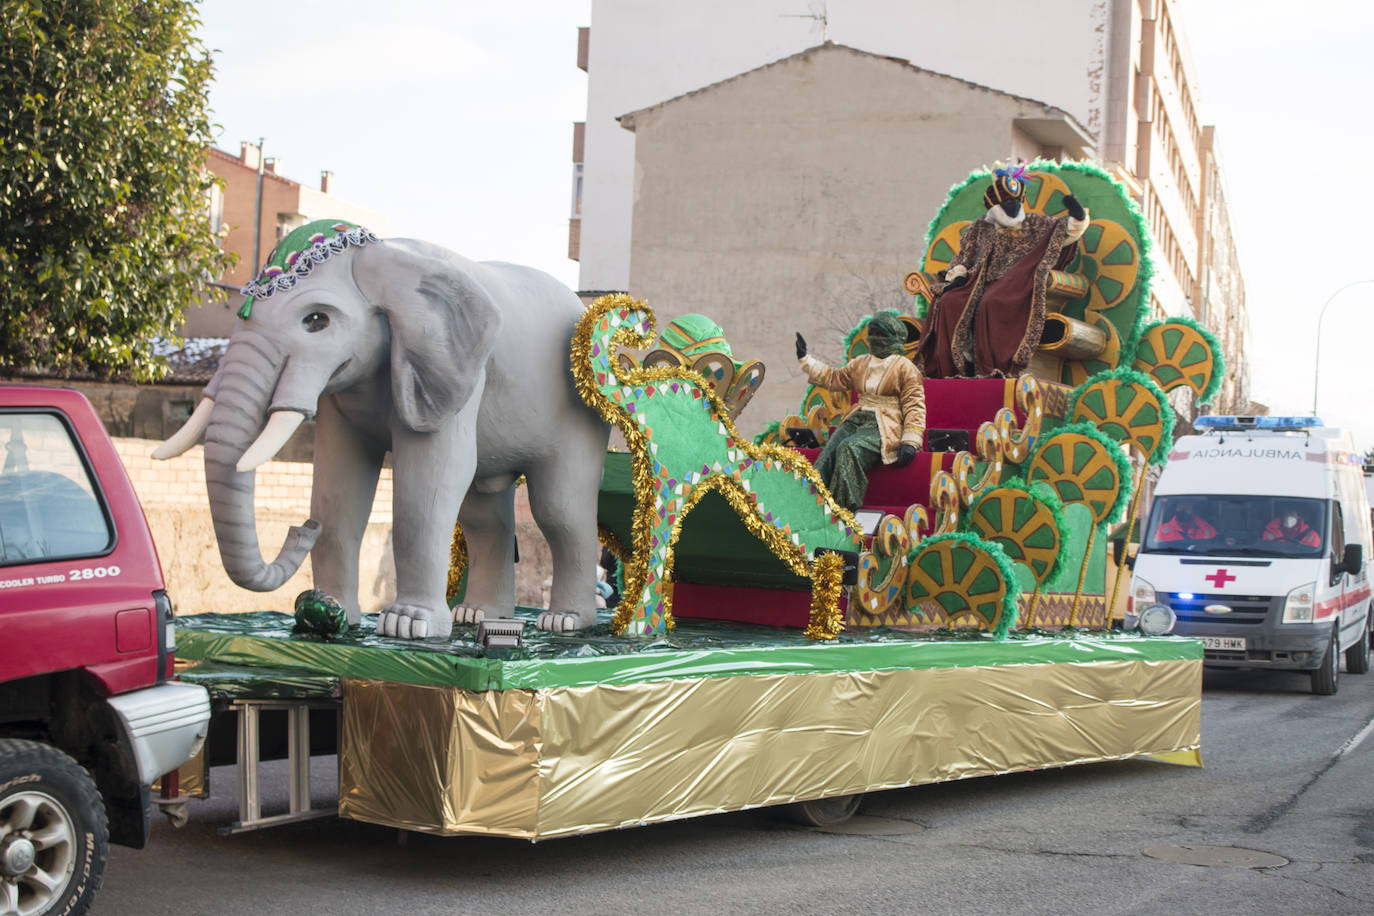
1286, 773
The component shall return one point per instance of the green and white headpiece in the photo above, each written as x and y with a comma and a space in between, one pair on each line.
297, 254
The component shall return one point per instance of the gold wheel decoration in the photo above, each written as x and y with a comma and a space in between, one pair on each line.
1081, 469
1114, 268
944, 247
1177, 355
957, 577
1078, 371
1025, 527
1045, 193
1126, 411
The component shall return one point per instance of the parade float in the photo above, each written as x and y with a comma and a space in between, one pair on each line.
772, 646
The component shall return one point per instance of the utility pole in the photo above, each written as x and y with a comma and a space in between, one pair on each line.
257, 217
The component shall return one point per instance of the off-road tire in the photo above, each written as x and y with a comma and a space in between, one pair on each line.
1326, 679
824, 812
1357, 656
39, 787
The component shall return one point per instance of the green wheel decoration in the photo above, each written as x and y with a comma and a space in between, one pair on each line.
1027, 524
1084, 466
1180, 353
958, 576
1129, 407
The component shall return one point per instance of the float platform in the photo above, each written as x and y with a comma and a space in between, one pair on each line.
575, 734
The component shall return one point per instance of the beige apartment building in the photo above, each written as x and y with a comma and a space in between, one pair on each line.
793, 194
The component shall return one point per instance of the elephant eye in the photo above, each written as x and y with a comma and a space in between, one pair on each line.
315, 321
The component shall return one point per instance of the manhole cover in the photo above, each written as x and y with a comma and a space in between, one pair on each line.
1216, 856
865, 825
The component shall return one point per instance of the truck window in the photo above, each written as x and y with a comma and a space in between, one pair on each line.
1237, 525
48, 506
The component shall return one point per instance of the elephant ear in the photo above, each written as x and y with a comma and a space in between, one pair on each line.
443, 326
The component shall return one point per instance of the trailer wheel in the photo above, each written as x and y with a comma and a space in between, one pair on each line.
824, 812
1357, 656
53, 833
1326, 678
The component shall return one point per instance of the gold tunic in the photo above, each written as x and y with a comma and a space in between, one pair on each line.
890, 387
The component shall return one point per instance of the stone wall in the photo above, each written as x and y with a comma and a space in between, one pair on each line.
175, 502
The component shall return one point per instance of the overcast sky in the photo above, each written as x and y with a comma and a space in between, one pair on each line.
456, 123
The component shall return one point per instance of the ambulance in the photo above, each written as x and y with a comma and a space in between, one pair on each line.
1257, 543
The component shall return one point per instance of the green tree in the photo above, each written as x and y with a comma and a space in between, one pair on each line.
104, 236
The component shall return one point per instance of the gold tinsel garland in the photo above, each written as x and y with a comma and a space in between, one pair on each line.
457, 562
824, 613
827, 580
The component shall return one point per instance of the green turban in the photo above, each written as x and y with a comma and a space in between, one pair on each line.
886, 335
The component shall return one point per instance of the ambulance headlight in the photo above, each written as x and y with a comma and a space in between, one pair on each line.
1157, 619
1142, 593
1297, 607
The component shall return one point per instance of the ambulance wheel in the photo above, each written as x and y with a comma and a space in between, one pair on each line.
1326, 679
824, 812
53, 837
1357, 656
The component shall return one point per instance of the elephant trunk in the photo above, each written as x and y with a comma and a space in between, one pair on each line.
244, 387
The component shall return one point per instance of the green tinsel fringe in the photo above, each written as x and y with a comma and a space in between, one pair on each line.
1160, 453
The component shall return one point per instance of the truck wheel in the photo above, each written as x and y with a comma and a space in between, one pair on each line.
53, 835
824, 812
1326, 679
1357, 656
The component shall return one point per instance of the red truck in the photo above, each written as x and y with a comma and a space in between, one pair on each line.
90, 711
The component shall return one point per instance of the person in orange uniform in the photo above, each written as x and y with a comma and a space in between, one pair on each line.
1186, 525
1292, 527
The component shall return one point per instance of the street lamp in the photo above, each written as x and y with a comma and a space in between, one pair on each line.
1317, 367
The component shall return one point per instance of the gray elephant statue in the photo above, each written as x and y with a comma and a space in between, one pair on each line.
460, 369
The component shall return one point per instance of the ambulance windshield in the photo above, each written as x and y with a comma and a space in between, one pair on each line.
1237, 525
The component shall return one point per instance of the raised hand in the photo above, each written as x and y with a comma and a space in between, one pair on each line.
1074, 207
801, 345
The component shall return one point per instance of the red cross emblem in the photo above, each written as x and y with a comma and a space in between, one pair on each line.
1220, 578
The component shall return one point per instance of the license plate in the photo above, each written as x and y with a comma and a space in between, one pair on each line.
1223, 642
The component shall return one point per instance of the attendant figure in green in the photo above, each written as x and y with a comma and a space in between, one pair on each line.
887, 422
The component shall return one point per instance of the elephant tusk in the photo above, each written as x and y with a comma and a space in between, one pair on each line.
189, 434
279, 428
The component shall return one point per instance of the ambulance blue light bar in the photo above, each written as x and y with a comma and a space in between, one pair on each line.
1274, 423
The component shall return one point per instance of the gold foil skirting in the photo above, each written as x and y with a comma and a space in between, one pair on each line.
440, 759
582, 759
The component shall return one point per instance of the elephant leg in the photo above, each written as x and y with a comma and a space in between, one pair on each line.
563, 503
345, 484
431, 473
488, 521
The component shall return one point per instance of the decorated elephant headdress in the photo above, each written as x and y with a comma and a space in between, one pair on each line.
298, 253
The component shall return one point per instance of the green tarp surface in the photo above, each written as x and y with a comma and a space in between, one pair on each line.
262, 641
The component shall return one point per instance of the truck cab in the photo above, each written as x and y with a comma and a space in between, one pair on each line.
1258, 542
90, 711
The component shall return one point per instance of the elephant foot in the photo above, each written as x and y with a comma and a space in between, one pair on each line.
465, 613
562, 621
414, 621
